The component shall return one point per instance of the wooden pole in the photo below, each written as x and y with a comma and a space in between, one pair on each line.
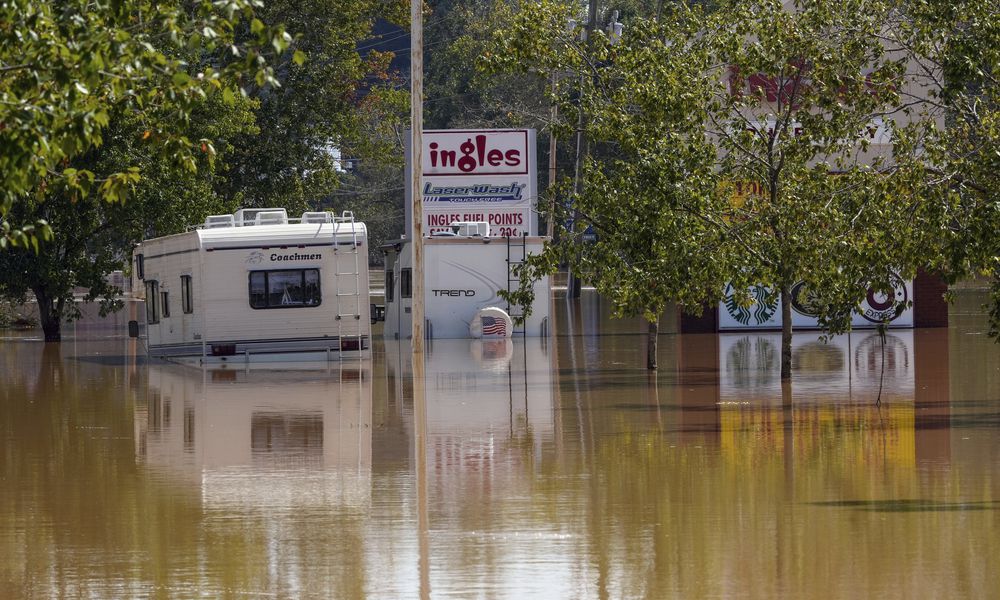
416, 152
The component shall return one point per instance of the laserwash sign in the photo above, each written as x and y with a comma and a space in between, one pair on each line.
477, 175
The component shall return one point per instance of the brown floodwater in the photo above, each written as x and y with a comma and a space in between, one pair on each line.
546, 468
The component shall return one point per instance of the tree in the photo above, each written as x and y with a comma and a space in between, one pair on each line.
808, 89
67, 66
756, 95
650, 229
95, 238
168, 92
319, 113
954, 48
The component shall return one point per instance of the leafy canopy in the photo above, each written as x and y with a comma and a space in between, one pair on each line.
66, 65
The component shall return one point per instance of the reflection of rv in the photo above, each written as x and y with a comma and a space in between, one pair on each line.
257, 283
259, 438
462, 275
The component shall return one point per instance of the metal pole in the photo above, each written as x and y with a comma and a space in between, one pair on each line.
573, 284
416, 160
550, 227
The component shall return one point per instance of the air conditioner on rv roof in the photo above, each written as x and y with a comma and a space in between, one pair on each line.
214, 221
251, 216
471, 228
317, 217
271, 217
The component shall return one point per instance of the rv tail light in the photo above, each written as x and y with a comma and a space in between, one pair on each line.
223, 349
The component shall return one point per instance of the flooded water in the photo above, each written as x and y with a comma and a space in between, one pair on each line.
530, 469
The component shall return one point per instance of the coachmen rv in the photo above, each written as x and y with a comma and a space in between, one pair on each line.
258, 286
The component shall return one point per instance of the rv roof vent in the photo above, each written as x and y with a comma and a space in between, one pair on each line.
271, 217
213, 221
317, 217
471, 228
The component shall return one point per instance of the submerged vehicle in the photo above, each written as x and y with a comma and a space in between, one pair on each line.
256, 285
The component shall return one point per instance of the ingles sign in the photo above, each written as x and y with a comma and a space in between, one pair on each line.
478, 175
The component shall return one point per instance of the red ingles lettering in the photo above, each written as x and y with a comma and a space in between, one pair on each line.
474, 155
458, 153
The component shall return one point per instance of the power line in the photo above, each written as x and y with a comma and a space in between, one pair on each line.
400, 34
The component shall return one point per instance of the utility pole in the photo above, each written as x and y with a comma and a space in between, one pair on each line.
417, 287
573, 284
416, 162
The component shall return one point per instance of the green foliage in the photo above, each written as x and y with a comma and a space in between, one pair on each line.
956, 49
805, 89
323, 109
182, 109
801, 103
645, 234
95, 238
68, 66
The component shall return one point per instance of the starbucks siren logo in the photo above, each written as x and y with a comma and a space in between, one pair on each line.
763, 308
880, 307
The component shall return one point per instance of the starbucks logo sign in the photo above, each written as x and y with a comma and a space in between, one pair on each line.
765, 304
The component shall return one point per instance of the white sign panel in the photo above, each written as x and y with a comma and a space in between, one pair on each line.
765, 311
477, 175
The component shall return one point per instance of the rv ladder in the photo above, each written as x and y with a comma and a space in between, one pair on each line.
347, 274
516, 254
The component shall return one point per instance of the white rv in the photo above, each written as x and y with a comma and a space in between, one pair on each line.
257, 285
463, 271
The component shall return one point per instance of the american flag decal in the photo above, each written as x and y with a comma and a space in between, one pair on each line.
493, 326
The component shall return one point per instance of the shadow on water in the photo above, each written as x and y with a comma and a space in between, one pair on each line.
910, 505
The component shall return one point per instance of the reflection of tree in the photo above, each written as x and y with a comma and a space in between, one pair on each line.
750, 362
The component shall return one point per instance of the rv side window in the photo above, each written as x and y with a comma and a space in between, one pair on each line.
390, 283
140, 267
152, 299
293, 288
165, 303
187, 305
405, 283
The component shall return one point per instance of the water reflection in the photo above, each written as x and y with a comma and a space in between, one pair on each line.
268, 439
547, 468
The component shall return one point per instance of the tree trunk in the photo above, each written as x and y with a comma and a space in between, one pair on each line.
786, 333
651, 339
50, 315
